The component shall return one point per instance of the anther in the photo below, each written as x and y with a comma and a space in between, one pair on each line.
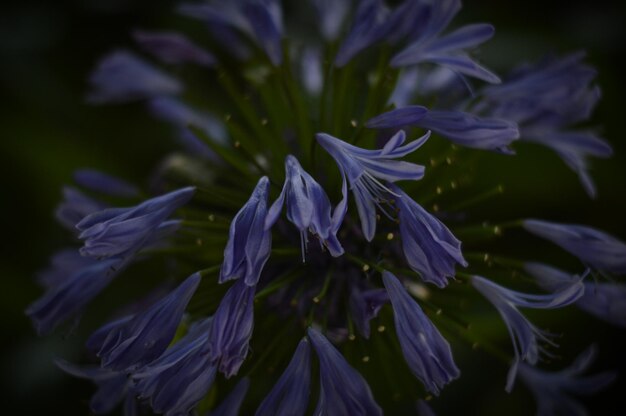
390, 236
381, 328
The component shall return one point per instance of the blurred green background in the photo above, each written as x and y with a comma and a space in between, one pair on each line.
47, 131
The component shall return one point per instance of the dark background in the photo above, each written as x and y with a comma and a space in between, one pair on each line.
46, 131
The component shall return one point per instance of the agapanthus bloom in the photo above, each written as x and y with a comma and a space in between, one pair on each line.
232, 328
525, 336
178, 379
279, 114
290, 395
604, 300
429, 246
249, 242
133, 341
343, 390
120, 232
308, 208
365, 169
552, 390
425, 350
593, 247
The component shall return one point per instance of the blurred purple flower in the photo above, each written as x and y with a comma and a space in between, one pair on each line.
593, 247
122, 76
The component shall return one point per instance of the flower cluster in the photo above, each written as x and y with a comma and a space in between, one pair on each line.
297, 123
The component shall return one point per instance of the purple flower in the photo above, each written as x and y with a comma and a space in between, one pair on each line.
448, 50
366, 168
308, 208
113, 386
121, 232
232, 403
573, 147
369, 26
429, 246
136, 340
232, 328
364, 306
593, 247
249, 242
181, 377
72, 294
122, 76
604, 300
546, 99
173, 48
425, 350
332, 14
76, 206
461, 128
105, 183
290, 394
343, 391
265, 19
261, 20
553, 390
62, 264
525, 335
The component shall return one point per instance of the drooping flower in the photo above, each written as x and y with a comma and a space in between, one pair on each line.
448, 50
71, 294
546, 99
173, 48
133, 341
525, 335
260, 20
105, 183
182, 376
113, 387
593, 247
369, 26
429, 246
364, 306
459, 127
290, 394
121, 232
365, 169
604, 300
122, 76
425, 350
308, 208
249, 242
343, 391
232, 403
553, 390
231, 330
